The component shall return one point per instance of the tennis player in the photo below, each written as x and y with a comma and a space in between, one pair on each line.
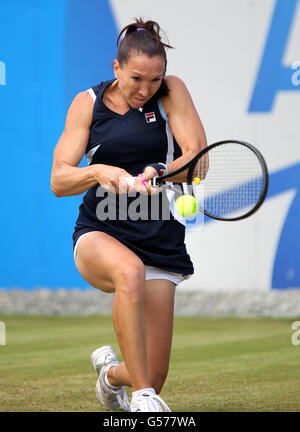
142, 123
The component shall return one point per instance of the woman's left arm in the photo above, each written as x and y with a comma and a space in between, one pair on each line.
184, 122
185, 125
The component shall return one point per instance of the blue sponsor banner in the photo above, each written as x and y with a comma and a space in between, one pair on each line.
273, 76
49, 51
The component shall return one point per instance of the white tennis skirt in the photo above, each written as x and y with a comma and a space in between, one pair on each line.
151, 272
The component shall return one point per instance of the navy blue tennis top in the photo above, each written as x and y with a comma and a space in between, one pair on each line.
148, 225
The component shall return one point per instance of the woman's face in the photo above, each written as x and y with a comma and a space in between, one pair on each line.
139, 78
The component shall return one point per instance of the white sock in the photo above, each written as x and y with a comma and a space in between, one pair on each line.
141, 391
109, 385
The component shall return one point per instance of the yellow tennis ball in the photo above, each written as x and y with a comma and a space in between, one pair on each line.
186, 205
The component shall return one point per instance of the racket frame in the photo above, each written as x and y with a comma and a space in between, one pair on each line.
190, 166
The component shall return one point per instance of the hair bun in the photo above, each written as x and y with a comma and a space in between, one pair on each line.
152, 28
141, 37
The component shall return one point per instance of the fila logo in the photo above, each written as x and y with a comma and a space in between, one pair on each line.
150, 117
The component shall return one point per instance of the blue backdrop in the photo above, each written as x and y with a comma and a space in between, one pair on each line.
51, 51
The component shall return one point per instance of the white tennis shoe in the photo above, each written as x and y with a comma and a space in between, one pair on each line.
148, 402
103, 359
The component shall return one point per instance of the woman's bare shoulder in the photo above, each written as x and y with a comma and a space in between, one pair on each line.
81, 109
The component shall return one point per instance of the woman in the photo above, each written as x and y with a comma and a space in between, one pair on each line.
140, 124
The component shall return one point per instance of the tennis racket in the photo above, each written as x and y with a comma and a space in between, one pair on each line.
229, 180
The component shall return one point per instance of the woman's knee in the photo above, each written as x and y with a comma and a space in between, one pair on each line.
130, 280
118, 267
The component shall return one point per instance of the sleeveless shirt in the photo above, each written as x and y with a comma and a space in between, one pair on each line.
148, 225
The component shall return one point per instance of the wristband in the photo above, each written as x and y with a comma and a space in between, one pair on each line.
160, 167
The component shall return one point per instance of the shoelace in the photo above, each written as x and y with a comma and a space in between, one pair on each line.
157, 402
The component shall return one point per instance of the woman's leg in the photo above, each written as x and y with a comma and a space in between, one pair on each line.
159, 305
159, 309
108, 265
102, 270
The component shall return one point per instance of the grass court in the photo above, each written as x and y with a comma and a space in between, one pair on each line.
217, 364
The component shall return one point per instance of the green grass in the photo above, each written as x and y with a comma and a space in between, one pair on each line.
227, 364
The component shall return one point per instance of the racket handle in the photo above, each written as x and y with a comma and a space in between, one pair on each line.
153, 181
131, 180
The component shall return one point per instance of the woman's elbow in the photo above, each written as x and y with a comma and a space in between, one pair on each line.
54, 188
56, 192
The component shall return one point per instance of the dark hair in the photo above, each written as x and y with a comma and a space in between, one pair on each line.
143, 38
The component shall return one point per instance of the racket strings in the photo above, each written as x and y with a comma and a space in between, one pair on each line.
231, 180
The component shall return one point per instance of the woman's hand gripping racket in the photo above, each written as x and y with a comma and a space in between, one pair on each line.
227, 181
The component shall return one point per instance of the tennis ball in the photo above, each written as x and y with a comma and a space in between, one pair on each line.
186, 205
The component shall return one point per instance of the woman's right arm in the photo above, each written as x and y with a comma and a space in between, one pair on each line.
66, 178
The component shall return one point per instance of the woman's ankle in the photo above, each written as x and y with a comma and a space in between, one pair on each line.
112, 377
